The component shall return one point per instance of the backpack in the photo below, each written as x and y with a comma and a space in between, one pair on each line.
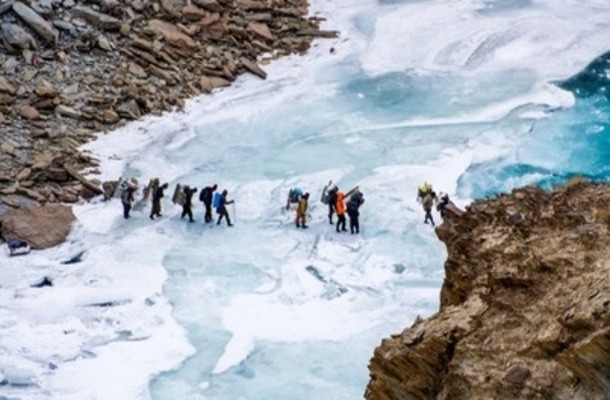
203, 193
295, 195
216, 201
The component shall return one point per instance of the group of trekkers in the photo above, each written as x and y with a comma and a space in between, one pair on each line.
183, 195
338, 203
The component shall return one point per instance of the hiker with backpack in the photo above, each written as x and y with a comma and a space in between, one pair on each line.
220, 203
187, 206
332, 203
340, 208
127, 200
157, 195
206, 196
427, 203
353, 206
302, 211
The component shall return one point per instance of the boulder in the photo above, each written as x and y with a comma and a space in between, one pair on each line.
6, 87
41, 226
260, 29
172, 7
17, 36
5, 5
29, 112
99, 20
36, 22
253, 68
210, 5
171, 34
45, 89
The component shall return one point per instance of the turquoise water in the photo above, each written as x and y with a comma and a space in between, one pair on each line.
466, 116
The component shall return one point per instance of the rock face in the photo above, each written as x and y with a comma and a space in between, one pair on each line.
40, 226
525, 305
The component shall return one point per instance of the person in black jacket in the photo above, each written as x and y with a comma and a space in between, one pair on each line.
332, 200
206, 196
187, 206
127, 200
222, 208
354, 203
156, 201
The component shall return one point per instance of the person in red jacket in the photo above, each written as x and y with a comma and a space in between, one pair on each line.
340, 210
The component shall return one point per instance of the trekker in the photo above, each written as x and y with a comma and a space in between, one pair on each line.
187, 206
427, 203
127, 200
156, 201
353, 206
206, 196
222, 208
443, 200
302, 211
423, 190
340, 208
294, 195
332, 200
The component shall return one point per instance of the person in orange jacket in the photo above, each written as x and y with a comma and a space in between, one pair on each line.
340, 210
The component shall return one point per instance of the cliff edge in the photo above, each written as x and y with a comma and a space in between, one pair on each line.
525, 305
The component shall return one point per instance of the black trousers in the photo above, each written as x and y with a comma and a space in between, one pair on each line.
223, 213
354, 224
187, 210
156, 209
208, 212
428, 216
341, 222
331, 211
126, 210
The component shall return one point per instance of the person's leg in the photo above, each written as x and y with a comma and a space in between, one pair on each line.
331, 210
208, 212
357, 223
126, 208
190, 214
228, 218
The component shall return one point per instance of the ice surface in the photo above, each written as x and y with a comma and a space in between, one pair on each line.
455, 92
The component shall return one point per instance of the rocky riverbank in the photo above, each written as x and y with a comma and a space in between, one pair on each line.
71, 69
525, 305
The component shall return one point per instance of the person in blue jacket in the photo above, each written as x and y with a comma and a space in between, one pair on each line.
222, 208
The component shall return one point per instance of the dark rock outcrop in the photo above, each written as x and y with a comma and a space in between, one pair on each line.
525, 305
40, 226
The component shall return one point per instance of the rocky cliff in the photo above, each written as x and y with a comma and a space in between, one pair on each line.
525, 305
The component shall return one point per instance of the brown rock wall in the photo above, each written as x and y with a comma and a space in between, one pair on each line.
537, 267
